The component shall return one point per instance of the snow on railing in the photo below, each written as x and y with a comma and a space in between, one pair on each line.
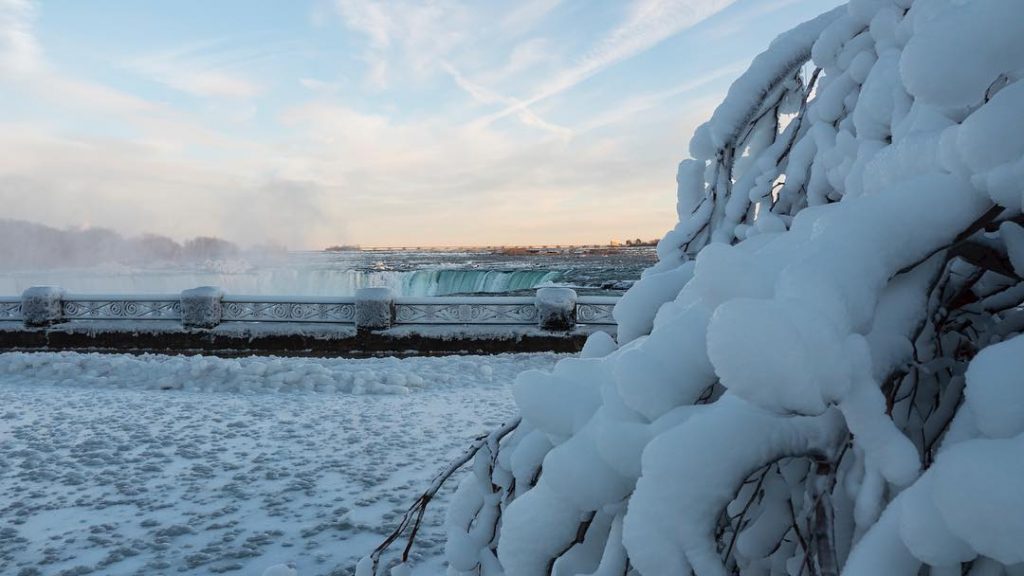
369, 309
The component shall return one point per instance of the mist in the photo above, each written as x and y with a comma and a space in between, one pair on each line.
31, 246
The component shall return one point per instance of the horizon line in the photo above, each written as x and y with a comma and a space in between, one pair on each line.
359, 247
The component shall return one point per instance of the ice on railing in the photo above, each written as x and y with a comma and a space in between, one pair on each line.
556, 308
201, 307
41, 305
375, 308
372, 309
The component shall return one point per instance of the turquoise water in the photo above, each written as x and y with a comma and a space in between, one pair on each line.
415, 274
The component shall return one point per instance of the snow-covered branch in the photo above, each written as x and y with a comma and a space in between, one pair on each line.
818, 377
410, 522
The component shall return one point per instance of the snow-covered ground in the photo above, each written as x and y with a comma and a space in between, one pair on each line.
172, 465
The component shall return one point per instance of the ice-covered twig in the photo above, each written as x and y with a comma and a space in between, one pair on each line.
414, 515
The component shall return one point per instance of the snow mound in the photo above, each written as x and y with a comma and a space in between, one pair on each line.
257, 374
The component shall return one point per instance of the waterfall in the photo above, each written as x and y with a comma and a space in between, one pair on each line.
285, 281
441, 282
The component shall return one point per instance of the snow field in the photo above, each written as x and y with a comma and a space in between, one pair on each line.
102, 471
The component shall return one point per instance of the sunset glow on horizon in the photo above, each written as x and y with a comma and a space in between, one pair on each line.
326, 122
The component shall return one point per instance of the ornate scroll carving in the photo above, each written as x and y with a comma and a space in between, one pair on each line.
595, 313
77, 309
10, 310
466, 313
288, 312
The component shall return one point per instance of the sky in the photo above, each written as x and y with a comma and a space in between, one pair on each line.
307, 123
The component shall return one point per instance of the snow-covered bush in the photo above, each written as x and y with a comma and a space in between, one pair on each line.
823, 373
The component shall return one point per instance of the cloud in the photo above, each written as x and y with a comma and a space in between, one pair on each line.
634, 105
526, 14
322, 87
209, 83
648, 23
85, 152
432, 182
341, 175
200, 69
24, 68
409, 36
371, 19
135, 188
19, 49
526, 56
484, 95
334, 162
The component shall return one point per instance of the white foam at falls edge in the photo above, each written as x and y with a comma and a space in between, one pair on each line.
285, 281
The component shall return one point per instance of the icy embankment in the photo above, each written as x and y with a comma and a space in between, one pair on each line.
260, 374
102, 472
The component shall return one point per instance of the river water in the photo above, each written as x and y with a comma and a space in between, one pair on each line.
341, 273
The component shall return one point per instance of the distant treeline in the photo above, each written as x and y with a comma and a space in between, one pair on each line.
27, 245
639, 242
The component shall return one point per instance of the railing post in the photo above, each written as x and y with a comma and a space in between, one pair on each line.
375, 309
42, 305
556, 308
201, 307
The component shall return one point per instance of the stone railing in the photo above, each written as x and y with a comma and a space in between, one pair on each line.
371, 309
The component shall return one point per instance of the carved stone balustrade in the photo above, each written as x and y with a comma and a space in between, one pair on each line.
372, 309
